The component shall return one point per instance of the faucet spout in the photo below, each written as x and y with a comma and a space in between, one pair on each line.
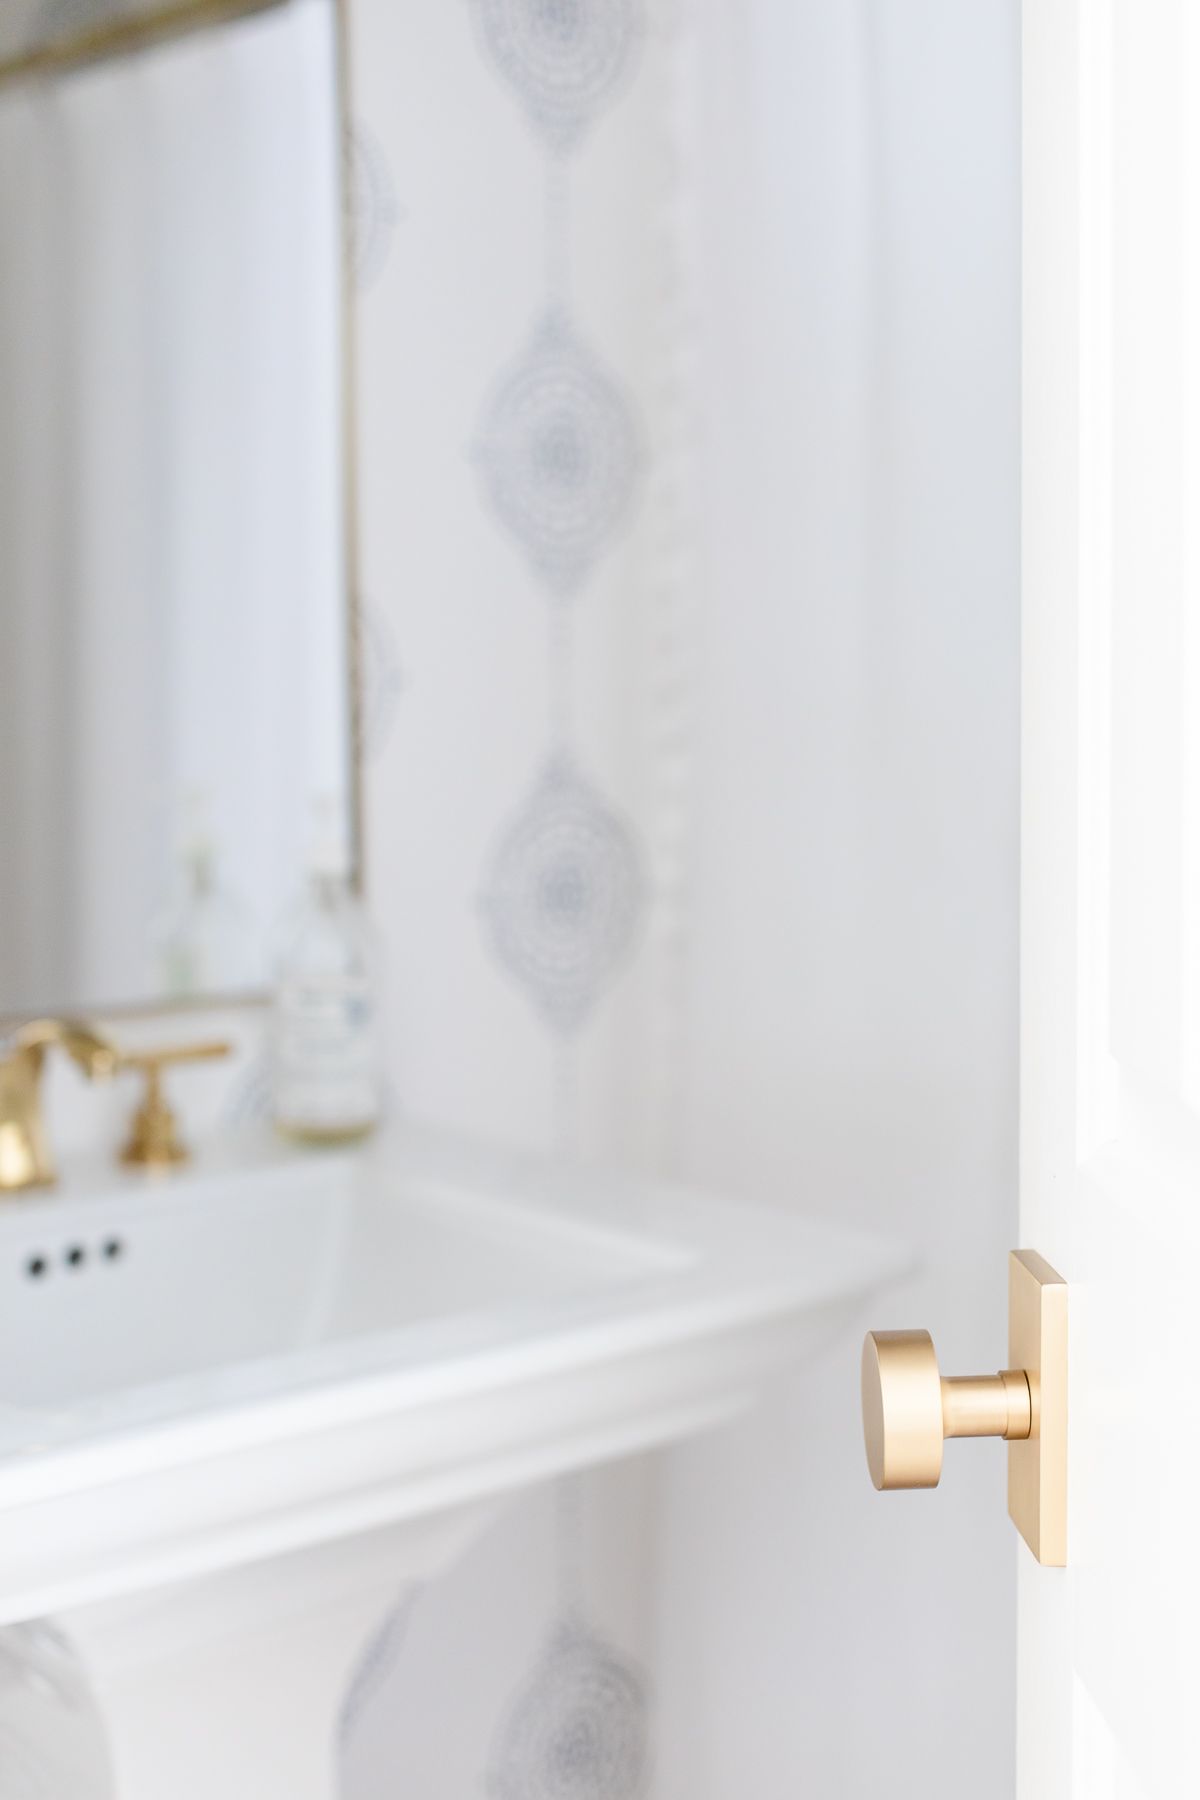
88, 1048
25, 1159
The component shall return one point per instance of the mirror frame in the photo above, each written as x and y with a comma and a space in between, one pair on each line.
130, 36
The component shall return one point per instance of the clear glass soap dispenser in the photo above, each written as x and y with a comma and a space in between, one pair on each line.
204, 938
326, 1050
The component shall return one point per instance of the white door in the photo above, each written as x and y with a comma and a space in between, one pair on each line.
1109, 1648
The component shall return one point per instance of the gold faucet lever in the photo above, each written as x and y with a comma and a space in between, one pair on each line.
25, 1159
909, 1408
154, 1140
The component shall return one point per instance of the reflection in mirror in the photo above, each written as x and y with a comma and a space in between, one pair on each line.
174, 685
36, 34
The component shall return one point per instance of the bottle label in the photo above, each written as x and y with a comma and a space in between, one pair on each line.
326, 1054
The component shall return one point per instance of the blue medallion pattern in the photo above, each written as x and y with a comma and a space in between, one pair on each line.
372, 210
563, 896
378, 1660
248, 1099
53, 1743
565, 60
580, 1728
380, 679
559, 455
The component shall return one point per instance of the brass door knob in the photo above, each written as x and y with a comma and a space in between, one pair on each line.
910, 1408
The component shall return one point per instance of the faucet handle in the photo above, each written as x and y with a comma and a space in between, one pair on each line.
154, 1141
92, 1053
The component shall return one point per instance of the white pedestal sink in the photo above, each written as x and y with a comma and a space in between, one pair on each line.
241, 1407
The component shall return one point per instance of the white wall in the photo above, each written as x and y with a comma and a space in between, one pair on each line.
851, 1039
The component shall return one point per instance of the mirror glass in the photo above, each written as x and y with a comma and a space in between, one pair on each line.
175, 655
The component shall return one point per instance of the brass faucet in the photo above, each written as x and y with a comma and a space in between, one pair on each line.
24, 1154
154, 1141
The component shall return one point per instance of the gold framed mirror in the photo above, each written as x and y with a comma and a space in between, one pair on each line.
68, 34
183, 714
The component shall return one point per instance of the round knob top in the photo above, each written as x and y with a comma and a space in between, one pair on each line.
902, 1409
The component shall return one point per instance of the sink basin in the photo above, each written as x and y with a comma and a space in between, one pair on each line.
136, 1303
242, 1404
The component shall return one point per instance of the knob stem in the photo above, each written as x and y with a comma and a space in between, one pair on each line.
987, 1405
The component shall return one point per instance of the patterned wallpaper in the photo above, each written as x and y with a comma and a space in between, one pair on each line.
497, 1678
578, 1725
560, 459
502, 224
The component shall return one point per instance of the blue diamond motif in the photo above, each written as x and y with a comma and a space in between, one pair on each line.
563, 896
559, 455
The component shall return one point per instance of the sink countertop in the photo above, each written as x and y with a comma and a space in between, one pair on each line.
278, 1347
